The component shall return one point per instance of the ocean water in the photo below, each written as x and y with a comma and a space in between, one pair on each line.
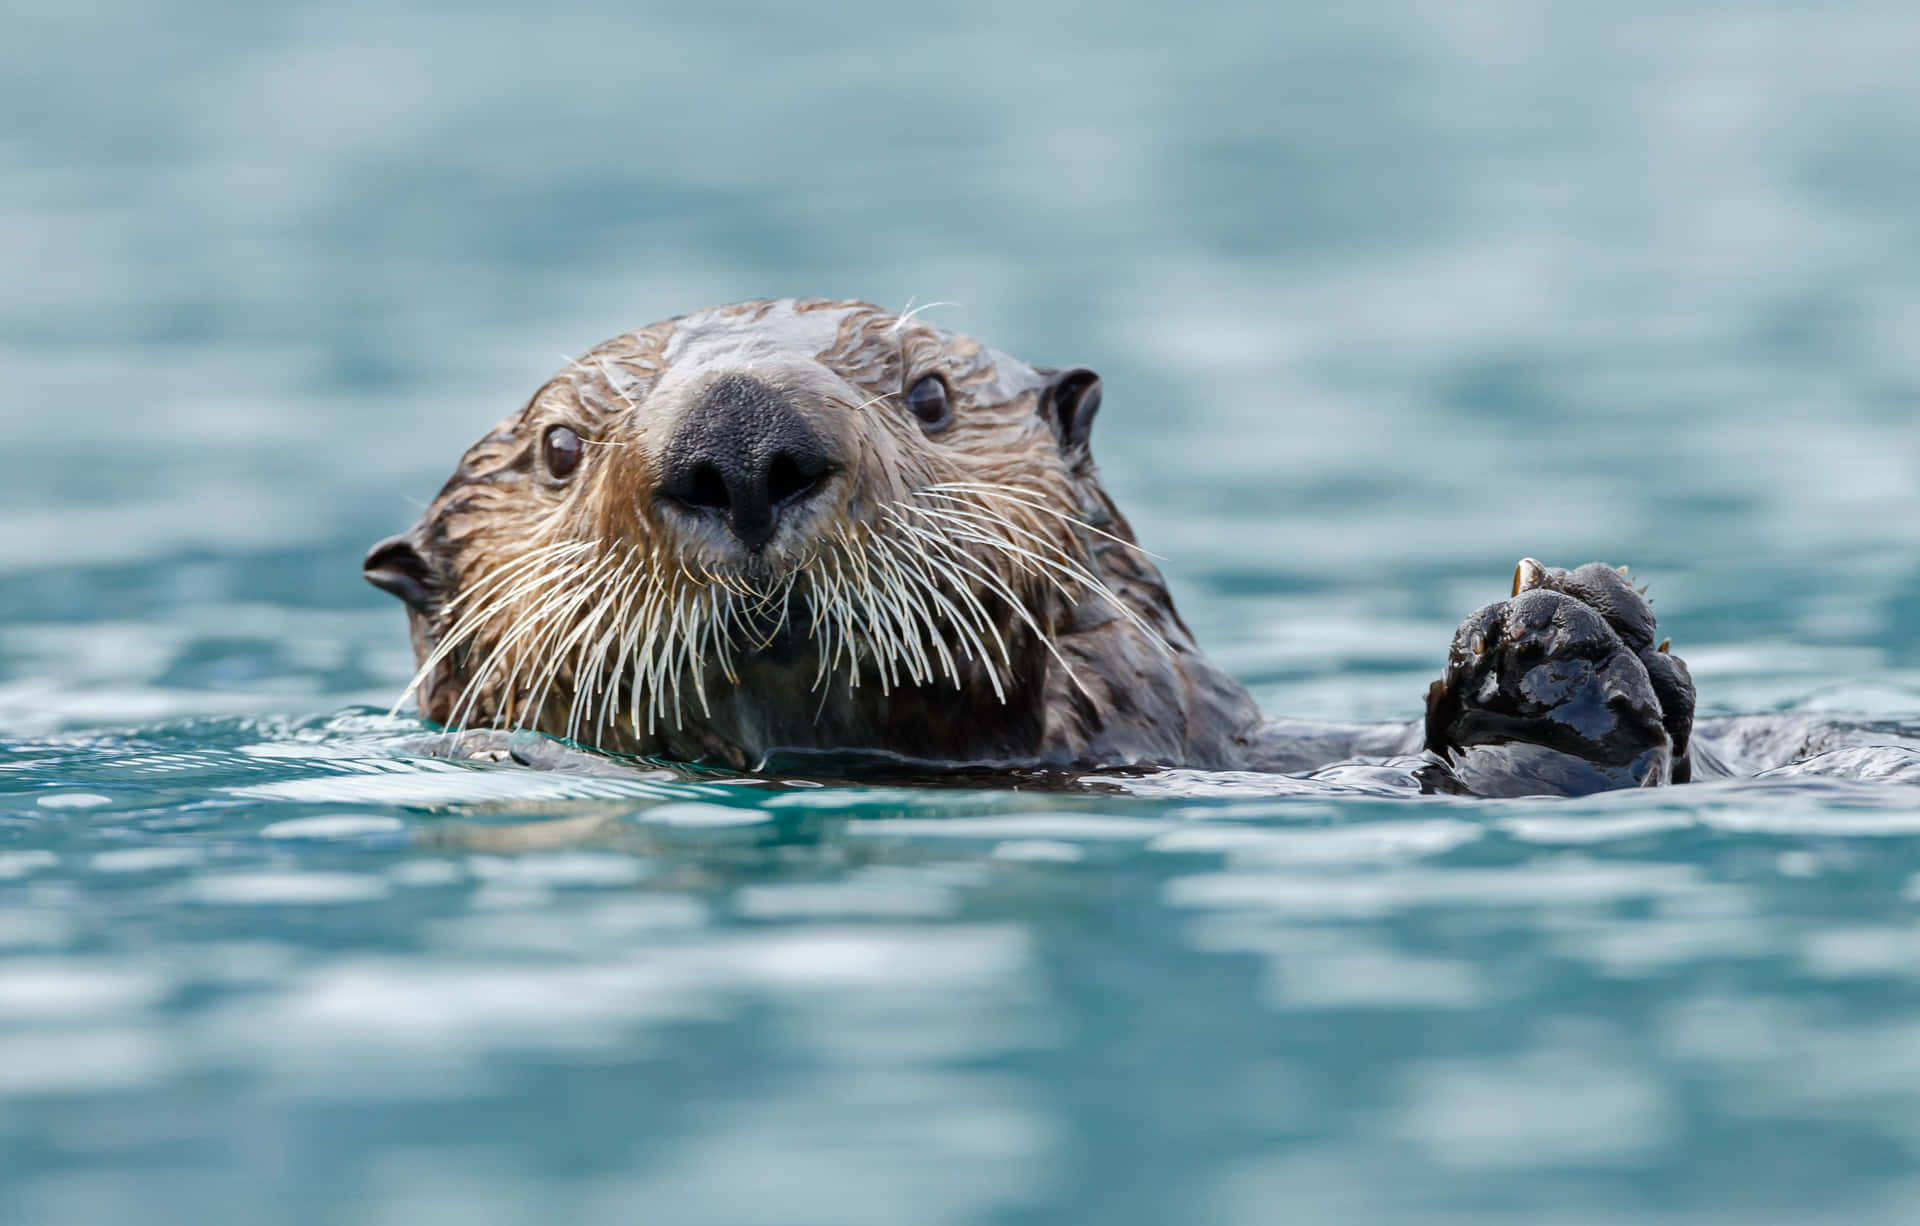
1386, 295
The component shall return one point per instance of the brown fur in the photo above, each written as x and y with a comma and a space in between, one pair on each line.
1052, 641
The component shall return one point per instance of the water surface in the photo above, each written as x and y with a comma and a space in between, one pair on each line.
1385, 295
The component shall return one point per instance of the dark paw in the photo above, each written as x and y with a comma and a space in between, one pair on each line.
1560, 689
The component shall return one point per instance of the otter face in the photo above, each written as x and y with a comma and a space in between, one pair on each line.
805, 525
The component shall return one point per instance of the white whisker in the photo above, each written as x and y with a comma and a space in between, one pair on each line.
910, 310
1034, 501
948, 584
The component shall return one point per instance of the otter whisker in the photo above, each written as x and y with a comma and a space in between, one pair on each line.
657, 660
831, 614
903, 643
588, 665
640, 649
554, 597
1059, 562
622, 635
971, 621
748, 620
909, 311
662, 666
871, 631
820, 624
609, 653
638, 586
963, 622
606, 373
986, 576
567, 627
867, 404
614, 566
912, 589
854, 629
526, 628
543, 660
881, 648
825, 631
833, 619
963, 531
566, 653
1036, 501
780, 600
506, 589
546, 646
649, 662
650, 659
993, 519
717, 635
889, 597
694, 646
889, 616
934, 566
488, 587
679, 652
483, 602
589, 672
521, 574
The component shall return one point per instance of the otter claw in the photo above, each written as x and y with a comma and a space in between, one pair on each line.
1527, 575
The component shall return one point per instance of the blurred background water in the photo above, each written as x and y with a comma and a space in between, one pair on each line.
1386, 295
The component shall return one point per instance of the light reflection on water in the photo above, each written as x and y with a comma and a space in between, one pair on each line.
1385, 296
897, 1004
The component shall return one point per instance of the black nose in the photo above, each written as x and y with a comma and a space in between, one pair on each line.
746, 456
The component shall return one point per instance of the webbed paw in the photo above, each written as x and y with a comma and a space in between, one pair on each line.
1560, 689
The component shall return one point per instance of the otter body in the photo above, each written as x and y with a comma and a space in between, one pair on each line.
817, 527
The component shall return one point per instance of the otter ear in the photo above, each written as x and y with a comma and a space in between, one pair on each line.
395, 566
1068, 402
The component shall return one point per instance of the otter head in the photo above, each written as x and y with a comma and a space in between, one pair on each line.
790, 525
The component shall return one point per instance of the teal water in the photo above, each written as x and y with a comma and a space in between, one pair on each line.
1386, 295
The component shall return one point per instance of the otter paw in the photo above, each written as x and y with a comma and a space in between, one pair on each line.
1560, 689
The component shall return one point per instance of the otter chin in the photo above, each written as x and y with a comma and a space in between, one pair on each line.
800, 526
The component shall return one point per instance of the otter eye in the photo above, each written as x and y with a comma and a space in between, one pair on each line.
561, 450
929, 402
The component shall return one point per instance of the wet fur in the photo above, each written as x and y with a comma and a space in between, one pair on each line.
1072, 655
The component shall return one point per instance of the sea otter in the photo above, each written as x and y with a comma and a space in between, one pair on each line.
807, 527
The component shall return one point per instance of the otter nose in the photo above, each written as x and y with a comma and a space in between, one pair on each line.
745, 456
